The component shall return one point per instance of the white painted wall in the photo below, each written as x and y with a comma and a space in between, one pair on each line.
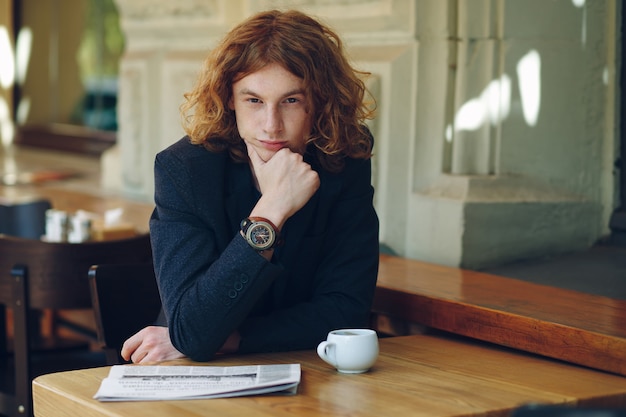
467, 171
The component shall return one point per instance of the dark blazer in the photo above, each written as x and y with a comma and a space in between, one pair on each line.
212, 282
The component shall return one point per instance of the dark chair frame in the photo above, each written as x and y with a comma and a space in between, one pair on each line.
125, 299
38, 275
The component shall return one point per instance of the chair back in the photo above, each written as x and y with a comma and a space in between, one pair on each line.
24, 219
39, 275
125, 299
57, 271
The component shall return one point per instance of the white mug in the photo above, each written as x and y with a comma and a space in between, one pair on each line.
351, 351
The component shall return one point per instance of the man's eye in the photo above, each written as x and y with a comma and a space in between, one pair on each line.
254, 100
292, 100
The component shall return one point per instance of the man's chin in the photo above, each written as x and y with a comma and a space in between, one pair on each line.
265, 155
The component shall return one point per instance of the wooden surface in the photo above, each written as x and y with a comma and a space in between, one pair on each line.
416, 375
573, 326
84, 191
577, 327
133, 212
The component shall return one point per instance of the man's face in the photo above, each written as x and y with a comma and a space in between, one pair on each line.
272, 111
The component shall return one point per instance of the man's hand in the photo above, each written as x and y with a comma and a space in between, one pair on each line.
151, 344
286, 183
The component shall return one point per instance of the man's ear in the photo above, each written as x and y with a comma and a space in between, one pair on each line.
231, 103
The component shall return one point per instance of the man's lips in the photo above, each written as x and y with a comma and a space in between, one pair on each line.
272, 145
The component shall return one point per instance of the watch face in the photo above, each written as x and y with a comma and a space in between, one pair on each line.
260, 235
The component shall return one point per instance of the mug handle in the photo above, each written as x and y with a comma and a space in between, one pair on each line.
326, 351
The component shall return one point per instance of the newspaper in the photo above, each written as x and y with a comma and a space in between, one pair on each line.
151, 383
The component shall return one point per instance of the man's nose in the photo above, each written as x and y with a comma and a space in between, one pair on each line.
273, 120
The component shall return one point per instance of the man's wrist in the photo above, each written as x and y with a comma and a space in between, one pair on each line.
260, 233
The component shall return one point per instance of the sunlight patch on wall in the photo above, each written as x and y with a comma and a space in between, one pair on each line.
7, 74
494, 103
23, 110
7, 129
529, 75
7, 63
13, 68
583, 31
23, 49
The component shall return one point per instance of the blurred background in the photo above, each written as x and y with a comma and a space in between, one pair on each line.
499, 132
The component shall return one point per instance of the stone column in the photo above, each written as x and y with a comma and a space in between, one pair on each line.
522, 169
166, 42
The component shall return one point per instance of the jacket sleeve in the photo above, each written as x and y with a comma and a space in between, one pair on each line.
206, 291
344, 278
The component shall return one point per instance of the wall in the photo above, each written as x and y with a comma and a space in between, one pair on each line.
57, 29
496, 124
507, 168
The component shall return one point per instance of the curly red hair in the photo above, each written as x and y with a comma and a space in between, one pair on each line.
307, 49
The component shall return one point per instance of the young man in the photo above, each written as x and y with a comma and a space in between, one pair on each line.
264, 234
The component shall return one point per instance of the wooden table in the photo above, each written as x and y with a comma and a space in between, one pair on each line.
85, 191
418, 375
135, 213
585, 329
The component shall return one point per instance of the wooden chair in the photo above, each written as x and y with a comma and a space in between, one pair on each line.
125, 299
38, 275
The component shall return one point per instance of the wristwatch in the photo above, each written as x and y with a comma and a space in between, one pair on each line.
260, 233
